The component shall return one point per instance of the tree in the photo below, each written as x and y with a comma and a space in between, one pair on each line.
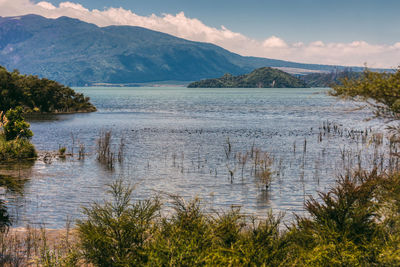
380, 90
16, 126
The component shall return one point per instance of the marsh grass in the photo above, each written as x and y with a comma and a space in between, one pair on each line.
107, 152
38, 247
355, 223
81, 152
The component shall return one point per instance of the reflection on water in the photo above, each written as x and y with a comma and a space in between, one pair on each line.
174, 143
13, 177
10, 184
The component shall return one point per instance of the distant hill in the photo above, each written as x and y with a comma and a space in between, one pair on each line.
328, 79
73, 52
260, 78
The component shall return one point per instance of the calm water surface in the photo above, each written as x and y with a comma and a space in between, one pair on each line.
174, 144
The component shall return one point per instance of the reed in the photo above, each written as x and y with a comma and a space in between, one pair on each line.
105, 154
81, 151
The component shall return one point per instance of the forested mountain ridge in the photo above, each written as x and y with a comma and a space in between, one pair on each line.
74, 52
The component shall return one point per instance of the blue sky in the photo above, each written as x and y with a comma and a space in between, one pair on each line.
352, 32
373, 21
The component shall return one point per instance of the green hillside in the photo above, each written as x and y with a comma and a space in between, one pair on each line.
260, 78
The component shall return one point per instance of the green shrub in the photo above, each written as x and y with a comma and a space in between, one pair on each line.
347, 211
356, 223
184, 239
17, 149
61, 151
16, 126
343, 227
115, 233
259, 244
14, 140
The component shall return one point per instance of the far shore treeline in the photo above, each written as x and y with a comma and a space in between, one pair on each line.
267, 77
39, 95
260, 78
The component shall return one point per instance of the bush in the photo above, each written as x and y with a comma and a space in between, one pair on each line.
14, 141
184, 239
17, 149
115, 233
356, 223
16, 126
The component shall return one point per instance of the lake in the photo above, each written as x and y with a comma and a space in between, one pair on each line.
175, 142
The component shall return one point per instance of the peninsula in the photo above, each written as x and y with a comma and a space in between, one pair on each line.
260, 78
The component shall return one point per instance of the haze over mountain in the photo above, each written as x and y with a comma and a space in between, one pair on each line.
79, 53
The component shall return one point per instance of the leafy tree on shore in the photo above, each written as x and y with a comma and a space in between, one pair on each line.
39, 95
380, 90
16, 126
14, 137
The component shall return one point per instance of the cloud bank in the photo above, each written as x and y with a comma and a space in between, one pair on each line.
352, 54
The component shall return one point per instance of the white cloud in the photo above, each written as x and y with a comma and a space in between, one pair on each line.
354, 53
46, 5
274, 42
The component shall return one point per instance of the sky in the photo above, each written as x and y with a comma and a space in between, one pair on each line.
339, 32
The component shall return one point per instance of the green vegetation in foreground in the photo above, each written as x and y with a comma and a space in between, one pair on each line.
39, 95
260, 78
14, 137
356, 223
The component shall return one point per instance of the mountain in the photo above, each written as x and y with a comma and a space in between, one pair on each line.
327, 79
74, 52
262, 78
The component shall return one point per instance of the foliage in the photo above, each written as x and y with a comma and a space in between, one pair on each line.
17, 149
61, 151
14, 140
116, 232
16, 126
380, 90
260, 78
39, 95
184, 239
356, 223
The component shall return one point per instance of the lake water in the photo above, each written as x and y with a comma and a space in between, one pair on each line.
174, 144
